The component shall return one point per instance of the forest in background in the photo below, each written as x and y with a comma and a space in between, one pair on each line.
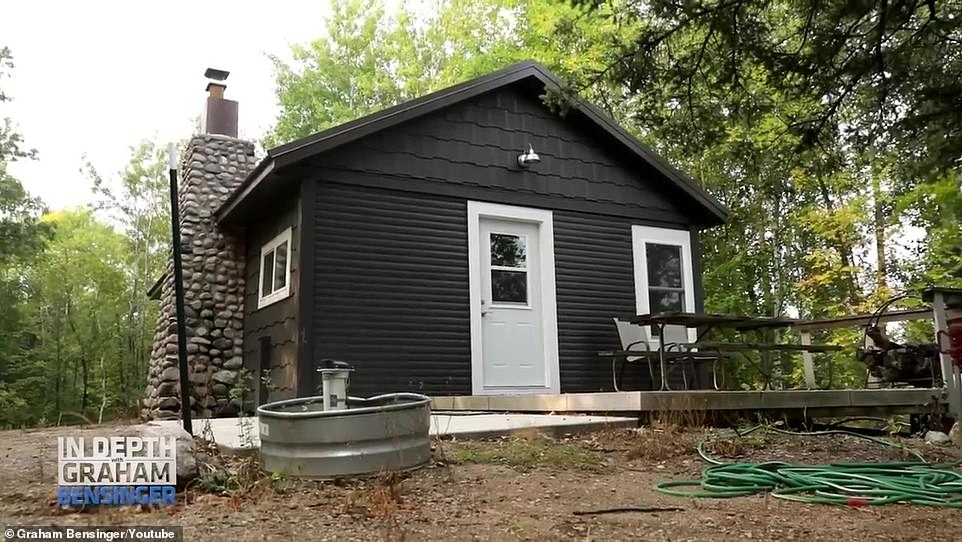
831, 129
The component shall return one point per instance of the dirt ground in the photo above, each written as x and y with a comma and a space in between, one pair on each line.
523, 488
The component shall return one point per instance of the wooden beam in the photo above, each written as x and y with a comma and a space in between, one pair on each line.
814, 402
808, 364
861, 320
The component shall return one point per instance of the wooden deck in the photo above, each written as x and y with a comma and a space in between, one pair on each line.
876, 402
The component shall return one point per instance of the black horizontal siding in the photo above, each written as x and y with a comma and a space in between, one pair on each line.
391, 292
594, 281
391, 289
277, 322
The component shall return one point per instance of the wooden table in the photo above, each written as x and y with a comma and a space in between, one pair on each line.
707, 322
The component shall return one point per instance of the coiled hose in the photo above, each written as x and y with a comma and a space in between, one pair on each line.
852, 484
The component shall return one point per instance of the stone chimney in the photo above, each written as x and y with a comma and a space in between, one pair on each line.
212, 166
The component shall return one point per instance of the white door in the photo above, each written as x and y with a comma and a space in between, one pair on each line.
512, 329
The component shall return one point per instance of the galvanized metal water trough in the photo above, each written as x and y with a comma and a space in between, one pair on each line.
382, 433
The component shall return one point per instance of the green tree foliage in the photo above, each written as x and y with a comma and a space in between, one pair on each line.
830, 129
858, 103
138, 202
895, 62
20, 231
84, 306
21, 238
371, 59
79, 304
76, 324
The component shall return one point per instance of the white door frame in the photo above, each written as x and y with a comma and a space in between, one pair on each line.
549, 311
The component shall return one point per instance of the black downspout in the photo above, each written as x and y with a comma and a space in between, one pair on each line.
306, 371
179, 292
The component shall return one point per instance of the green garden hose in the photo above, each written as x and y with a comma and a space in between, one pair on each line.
853, 484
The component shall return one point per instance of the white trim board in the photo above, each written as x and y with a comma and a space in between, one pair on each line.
665, 236
549, 309
285, 291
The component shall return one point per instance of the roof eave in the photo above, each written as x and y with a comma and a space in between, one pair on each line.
286, 154
154, 292
354, 130
225, 212
717, 210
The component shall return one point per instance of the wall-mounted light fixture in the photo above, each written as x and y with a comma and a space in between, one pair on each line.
528, 157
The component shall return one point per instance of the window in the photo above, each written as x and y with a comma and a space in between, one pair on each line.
275, 274
509, 269
666, 289
663, 273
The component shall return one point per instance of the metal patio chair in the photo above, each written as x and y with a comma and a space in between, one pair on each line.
636, 346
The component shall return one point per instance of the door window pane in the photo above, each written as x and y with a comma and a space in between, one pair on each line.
280, 267
509, 287
666, 301
664, 265
508, 250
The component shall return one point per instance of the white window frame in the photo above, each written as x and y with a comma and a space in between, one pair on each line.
282, 293
640, 236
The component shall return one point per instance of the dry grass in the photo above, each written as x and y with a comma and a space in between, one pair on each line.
527, 453
662, 442
681, 412
470, 501
232, 475
672, 432
382, 501
733, 446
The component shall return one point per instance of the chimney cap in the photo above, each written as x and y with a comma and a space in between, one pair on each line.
215, 84
214, 73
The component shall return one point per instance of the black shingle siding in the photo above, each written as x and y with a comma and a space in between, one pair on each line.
476, 144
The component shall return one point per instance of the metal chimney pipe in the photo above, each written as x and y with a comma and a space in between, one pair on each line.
220, 114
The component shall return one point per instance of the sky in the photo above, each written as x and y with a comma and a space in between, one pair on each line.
95, 77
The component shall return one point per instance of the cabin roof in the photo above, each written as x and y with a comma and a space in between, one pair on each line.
265, 174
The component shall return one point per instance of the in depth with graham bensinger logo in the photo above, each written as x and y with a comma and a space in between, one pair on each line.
116, 470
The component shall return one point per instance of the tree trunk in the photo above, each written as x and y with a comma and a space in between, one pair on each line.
103, 390
881, 269
58, 396
86, 383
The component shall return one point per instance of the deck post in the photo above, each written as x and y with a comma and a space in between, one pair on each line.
808, 365
950, 374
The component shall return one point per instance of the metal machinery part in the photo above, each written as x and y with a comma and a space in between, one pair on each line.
947, 311
916, 365
953, 336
